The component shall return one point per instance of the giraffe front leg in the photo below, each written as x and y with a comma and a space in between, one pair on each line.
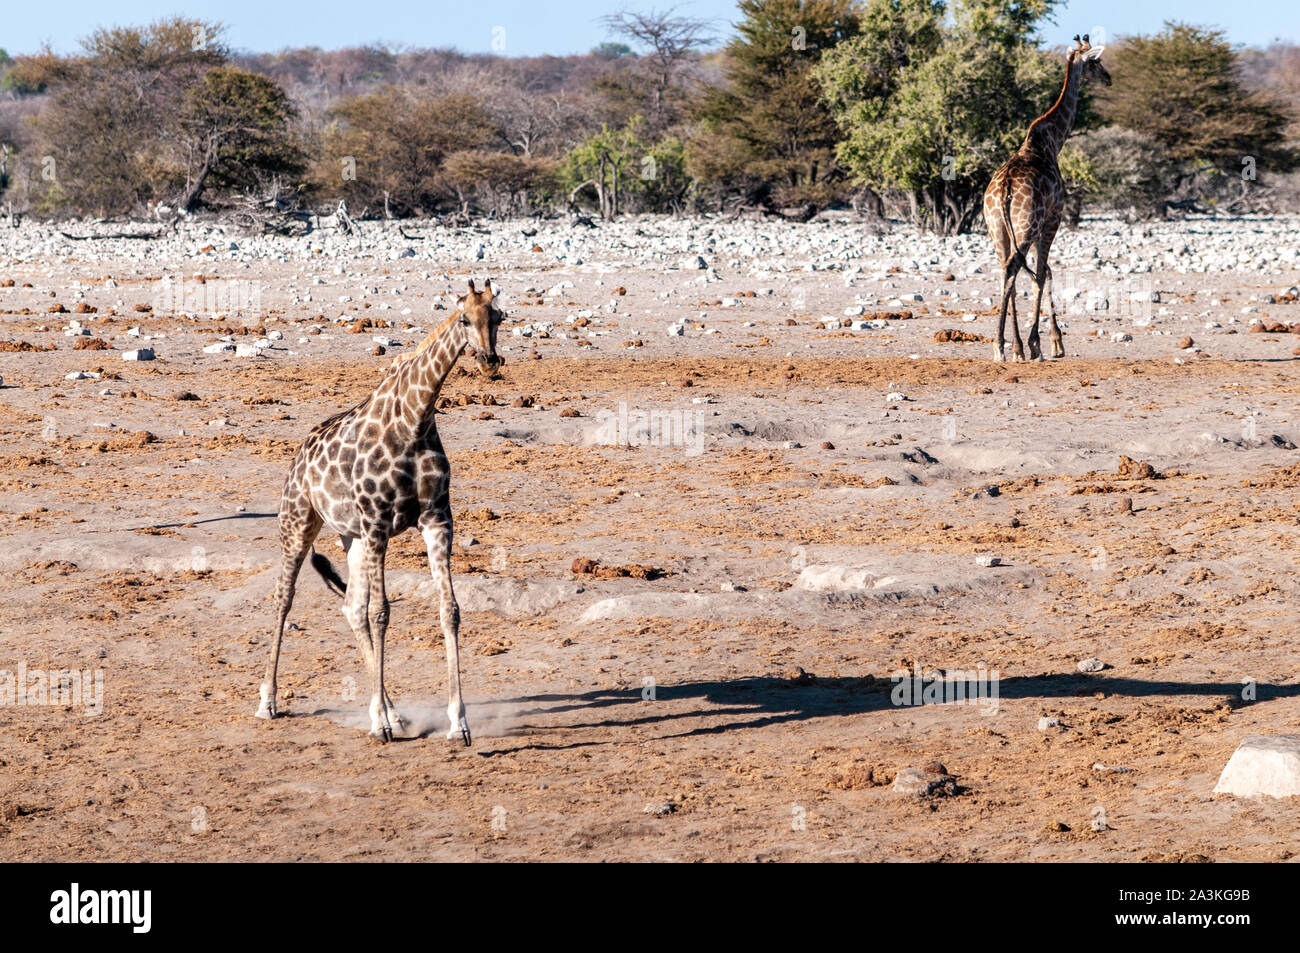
437, 539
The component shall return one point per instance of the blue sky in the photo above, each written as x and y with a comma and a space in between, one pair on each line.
530, 28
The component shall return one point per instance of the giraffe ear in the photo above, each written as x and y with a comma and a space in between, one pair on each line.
1094, 53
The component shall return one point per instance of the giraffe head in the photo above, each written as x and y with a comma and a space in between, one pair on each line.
481, 317
1091, 57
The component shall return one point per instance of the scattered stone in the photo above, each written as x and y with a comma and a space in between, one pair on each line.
920, 782
1263, 765
988, 561
1044, 723
1090, 665
1112, 768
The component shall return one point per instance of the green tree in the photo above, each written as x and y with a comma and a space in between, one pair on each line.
767, 131
932, 99
1181, 89
234, 129
625, 170
107, 134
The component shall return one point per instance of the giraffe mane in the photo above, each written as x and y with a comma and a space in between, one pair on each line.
1069, 65
424, 345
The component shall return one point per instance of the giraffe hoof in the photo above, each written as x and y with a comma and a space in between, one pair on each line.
382, 735
460, 728
998, 355
266, 702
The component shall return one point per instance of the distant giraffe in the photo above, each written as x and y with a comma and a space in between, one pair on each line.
1025, 198
370, 473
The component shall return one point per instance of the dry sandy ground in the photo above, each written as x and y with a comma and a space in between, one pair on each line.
818, 538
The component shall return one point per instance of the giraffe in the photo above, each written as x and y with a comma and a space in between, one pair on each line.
370, 473
1025, 198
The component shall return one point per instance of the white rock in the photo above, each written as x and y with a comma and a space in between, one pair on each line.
141, 354
1263, 764
988, 561
1091, 665
1045, 723
219, 348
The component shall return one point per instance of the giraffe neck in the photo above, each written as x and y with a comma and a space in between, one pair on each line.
1048, 132
416, 383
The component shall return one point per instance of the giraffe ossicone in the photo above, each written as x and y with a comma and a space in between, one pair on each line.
369, 474
1025, 199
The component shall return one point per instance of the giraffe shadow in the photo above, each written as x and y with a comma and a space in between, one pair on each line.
758, 702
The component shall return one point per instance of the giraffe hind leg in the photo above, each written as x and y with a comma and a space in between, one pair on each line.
1040, 278
1058, 346
1013, 265
1018, 353
298, 532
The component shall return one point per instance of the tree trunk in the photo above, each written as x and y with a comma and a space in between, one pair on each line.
195, 189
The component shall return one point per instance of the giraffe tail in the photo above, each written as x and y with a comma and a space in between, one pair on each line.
332, 579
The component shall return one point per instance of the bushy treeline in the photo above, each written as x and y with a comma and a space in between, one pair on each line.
896, 107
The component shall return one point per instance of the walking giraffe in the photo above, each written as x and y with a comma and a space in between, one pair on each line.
373, 472
1025, 198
